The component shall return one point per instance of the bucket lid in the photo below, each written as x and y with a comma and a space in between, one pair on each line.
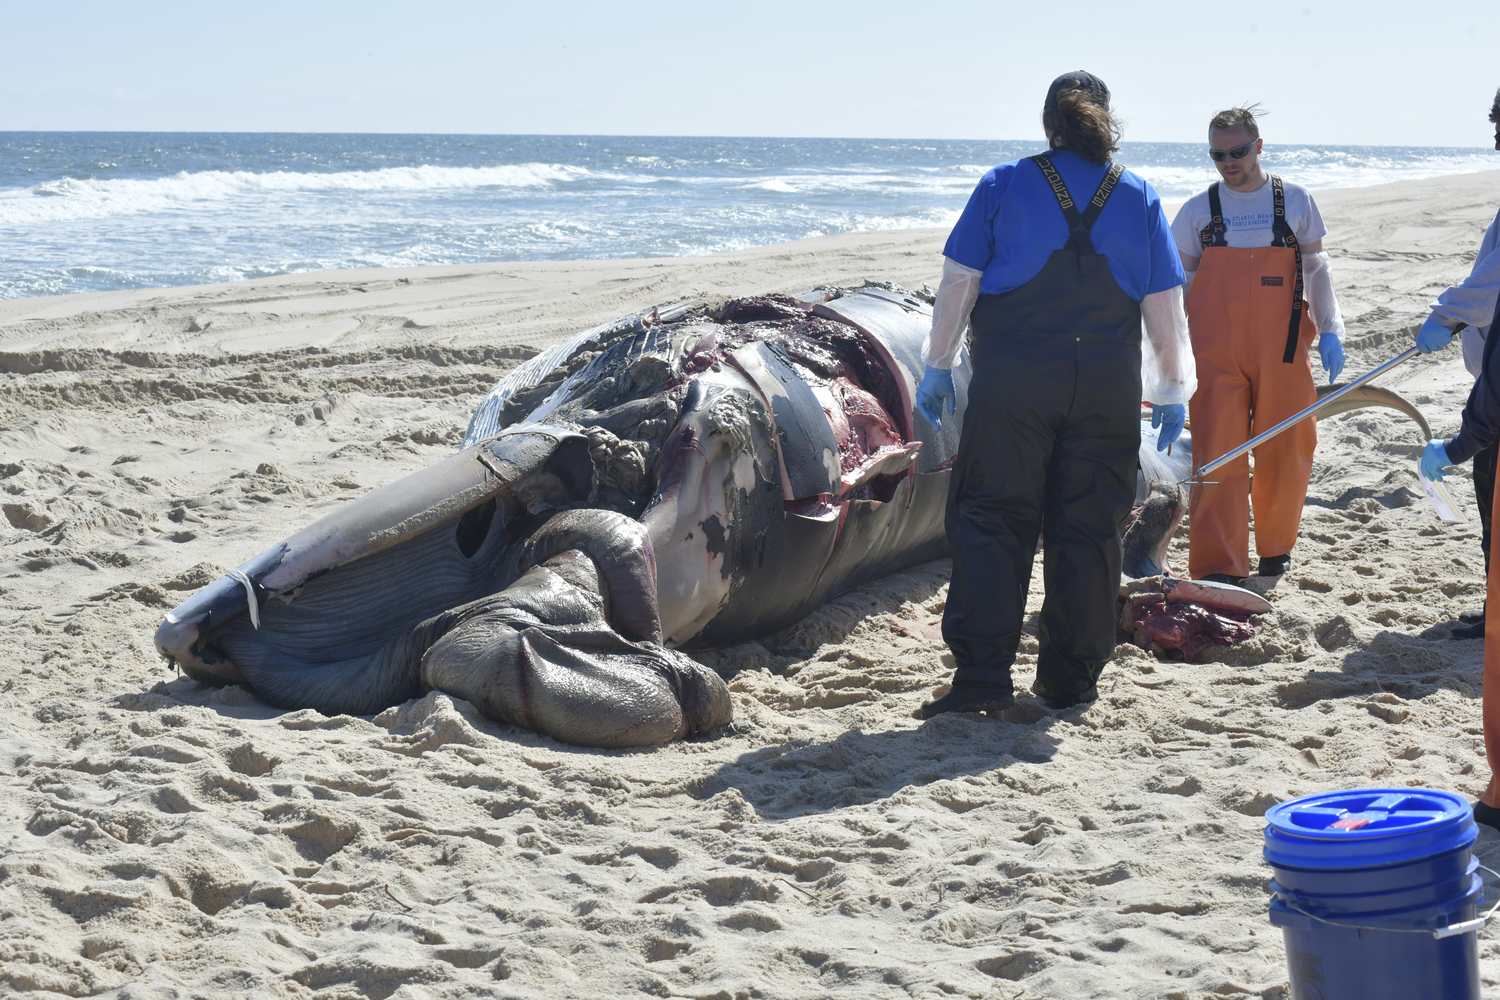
1367, 827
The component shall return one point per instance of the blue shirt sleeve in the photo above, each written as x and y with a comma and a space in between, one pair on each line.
972, 242
1166, 263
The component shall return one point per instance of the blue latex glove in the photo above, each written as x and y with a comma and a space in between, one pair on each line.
1169, 418
1332, 351
1434, 460
935, 394
1433, 336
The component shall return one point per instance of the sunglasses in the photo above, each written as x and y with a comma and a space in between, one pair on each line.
1237, 153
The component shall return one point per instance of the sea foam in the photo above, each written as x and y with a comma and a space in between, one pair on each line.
95, 211
88, 198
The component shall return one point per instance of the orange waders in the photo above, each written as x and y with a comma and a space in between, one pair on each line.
1251, 335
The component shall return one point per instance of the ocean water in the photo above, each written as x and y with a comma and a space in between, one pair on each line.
94, 211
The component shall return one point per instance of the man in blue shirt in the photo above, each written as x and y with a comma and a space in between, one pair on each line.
1055, 262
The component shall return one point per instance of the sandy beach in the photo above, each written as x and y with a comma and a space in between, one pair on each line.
163, 839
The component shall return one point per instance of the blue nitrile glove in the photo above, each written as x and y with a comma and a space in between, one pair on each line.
936, 393
1332, 351
1433, 336
1434, 460
1170, 418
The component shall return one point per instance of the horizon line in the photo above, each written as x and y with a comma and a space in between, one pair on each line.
702, 136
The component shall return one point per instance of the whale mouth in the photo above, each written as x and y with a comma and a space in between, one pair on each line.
479, 575
437, 528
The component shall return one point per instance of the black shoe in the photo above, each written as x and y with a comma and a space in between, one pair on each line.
1233, 581
1059, 702
1488, 815
1470, 617
1273, 565
1474, 630
970, 697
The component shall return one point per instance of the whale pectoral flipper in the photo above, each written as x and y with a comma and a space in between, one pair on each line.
541, 656
619, 560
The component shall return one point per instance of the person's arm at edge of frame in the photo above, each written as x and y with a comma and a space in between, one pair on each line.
1471, 337
1471, 301
1480, 425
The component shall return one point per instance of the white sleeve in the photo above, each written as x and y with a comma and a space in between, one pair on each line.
1185, 233
956, 295
1185, 226
1169, 373
1312, 227
1322, 304
1473, 345
1472, 300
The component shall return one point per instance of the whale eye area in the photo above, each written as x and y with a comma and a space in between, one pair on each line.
474, 528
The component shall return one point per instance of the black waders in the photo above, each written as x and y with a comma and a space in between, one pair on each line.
1049, 445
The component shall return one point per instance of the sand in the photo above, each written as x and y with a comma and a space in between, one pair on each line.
161, 839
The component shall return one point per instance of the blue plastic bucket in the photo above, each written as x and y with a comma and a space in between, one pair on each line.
1363, 881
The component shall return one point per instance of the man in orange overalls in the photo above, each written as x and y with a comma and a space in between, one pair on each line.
1258, 290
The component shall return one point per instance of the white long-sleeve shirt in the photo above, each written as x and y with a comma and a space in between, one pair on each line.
1472, 300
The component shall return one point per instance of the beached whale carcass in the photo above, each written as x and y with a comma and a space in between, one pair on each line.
686, 478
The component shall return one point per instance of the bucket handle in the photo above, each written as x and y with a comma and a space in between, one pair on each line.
1452, 930
1464, 928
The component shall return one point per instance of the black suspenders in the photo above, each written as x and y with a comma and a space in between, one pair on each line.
1284, 237
1212, 235
1079, 224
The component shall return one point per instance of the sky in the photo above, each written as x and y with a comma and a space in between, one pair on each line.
1329, 71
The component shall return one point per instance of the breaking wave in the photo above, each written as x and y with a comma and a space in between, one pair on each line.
68, 199
97, 211
1179, 171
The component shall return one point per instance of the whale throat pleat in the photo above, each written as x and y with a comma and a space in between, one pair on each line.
358, 608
